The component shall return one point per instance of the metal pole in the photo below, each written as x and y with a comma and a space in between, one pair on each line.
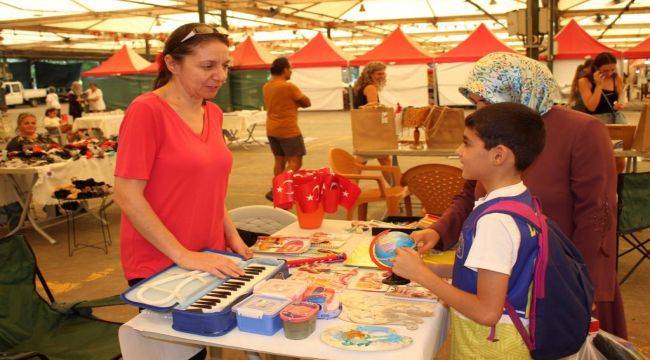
201, 4
147, 49
532, 29
224, 18
552, 18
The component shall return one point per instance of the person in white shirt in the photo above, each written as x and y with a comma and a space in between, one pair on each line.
52, 100
95, 99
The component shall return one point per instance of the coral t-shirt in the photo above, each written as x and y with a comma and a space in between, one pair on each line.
186, 174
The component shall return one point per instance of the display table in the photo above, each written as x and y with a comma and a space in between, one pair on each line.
35, 185
150, 336
109, 123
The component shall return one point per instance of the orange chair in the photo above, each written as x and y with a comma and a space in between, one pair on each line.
435, 185
344, 164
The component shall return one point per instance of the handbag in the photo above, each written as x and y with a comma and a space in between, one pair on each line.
373, 128
617, 117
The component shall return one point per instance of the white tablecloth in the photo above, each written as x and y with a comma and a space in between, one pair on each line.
52, 176
150, 336
109, 123
242, 120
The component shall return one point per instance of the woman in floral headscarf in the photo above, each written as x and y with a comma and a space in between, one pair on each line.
574, 176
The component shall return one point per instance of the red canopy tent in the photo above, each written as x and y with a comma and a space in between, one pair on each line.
250, 55
573, 42
319, 52
317, 72
124, 62
453, 66
397, 48
480, 43
640, 51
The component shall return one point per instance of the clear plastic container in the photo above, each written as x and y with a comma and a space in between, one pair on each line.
280, 288
299, 320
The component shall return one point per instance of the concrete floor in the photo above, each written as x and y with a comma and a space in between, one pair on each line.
91, 274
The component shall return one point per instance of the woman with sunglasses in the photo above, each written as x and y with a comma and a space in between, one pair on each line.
172, 169
574, 177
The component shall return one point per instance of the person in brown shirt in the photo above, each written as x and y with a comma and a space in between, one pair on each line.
574, 177
282, 100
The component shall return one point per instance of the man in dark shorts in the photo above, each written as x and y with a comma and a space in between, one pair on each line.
282, 100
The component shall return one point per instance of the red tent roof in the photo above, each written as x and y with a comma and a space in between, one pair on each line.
249, 55
478, 44
573, 42
124, 62
396, 48
319, 52
153, 68
641, 51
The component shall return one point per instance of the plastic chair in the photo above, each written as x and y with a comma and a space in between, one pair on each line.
32, 327
344, 164
435, 185
633, 215
255, 220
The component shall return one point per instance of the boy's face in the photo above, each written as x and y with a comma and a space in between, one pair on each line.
474, 156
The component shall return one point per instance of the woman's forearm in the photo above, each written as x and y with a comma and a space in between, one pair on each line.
139, 212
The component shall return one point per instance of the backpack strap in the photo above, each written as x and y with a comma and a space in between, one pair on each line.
533, 216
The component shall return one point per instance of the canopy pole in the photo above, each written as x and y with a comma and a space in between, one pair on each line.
532, 28
224, 18
553, 20
201, 5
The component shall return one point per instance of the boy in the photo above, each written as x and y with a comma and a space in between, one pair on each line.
496, 258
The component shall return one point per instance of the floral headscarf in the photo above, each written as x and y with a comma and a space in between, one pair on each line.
507, 77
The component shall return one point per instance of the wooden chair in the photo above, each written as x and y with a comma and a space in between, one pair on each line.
344, 164
434, 184
622, 132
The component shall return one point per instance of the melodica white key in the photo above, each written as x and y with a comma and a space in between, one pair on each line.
232, 289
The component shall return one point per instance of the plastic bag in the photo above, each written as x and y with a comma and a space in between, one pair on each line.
605, 346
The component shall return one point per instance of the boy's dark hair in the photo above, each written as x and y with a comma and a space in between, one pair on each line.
279, 64
515, 126
50, 110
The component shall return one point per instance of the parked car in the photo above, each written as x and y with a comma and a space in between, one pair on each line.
15, 94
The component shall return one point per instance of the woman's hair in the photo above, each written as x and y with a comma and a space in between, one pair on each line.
75, 87
365, 78
51, 90
50, 110
581, 71
178, 49
604, 58
21, 117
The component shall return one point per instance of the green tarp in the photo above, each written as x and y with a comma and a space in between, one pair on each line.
246, 86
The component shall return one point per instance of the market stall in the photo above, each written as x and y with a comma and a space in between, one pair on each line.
406, 72
453, 66
316, 70
250, 71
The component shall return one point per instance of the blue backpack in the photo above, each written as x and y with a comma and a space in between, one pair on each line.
560, 309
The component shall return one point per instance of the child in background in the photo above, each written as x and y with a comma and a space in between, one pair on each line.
496, 258
52, 122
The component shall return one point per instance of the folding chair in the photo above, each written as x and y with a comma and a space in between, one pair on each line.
30, 327
633, 215
255, 220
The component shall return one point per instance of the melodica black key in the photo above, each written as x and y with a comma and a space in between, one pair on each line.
244, 278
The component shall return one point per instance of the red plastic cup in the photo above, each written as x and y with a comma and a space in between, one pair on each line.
312, 220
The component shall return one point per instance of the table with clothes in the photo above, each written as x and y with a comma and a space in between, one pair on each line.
150, 334
108, 122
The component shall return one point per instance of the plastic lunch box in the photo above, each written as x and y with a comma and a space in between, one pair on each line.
259, 314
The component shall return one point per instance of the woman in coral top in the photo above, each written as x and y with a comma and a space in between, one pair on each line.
173, 165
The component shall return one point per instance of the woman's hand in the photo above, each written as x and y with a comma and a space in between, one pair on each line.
408, 264
215, 264
599, 78
618, 106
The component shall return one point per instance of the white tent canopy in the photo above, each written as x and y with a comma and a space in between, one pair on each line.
406, 85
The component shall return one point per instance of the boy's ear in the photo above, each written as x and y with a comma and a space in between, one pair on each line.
499, 155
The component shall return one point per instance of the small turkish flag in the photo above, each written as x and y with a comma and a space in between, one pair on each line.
349, 192
283, 192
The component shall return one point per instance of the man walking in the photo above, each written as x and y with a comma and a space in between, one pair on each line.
282, 100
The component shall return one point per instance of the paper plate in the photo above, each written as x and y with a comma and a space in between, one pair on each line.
364, 338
